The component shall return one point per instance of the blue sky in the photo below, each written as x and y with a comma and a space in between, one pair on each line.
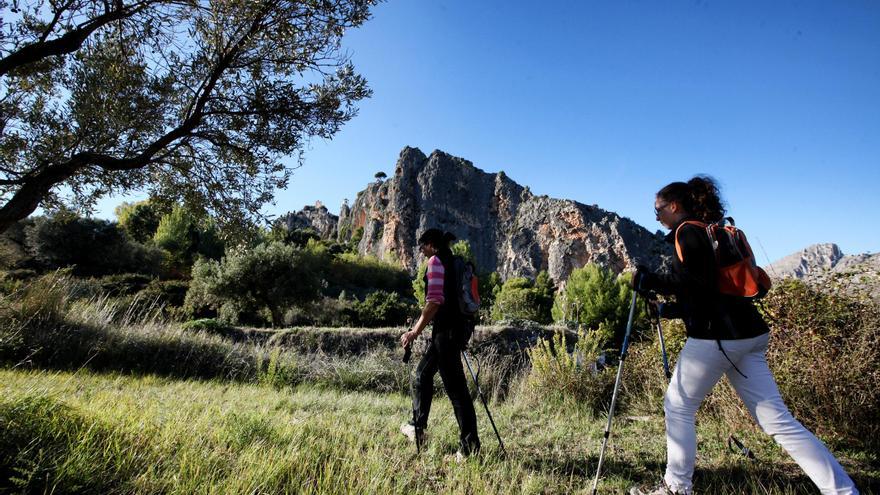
606, 102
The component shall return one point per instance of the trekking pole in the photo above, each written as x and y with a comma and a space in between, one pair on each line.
483, 399
737, 447
623, 349
407, 353
663, 351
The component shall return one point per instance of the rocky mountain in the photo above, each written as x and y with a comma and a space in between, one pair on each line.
315, 217
811, 260
825, 267
510, 230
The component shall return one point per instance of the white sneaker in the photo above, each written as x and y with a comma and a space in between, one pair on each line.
661, 489
409, 431
414, 434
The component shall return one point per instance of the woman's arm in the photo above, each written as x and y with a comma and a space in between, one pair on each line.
433, 300
428, 313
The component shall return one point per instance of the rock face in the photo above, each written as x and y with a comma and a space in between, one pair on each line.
825, 267
315, 217
510, 230
811, 260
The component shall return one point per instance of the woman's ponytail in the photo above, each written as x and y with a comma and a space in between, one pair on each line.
706, 199
699, 197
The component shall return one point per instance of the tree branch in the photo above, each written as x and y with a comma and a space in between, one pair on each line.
69, 42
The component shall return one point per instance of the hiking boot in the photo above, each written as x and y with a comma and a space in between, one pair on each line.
414, 434
659, 489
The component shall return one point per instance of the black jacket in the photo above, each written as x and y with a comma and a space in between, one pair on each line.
448, 316
707, 314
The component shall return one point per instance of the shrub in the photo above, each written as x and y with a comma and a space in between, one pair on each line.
139, 220
93, 247
270, 277
520, 298
324, 312
594, 296
825, 356
13, 246
208, 325
382, 308
185, 237
565, 376
350, 271
170, 293
124, 283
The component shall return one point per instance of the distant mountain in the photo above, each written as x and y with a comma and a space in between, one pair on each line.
510, 230
810, 260
825, 267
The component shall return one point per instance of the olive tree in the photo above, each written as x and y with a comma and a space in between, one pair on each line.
193, 100
272, 277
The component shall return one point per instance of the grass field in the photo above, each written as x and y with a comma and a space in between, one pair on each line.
96, 399
109, 433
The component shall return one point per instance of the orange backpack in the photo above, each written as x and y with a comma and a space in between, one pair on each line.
738, 273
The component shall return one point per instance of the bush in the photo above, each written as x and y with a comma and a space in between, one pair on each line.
560, 375
382, 308
595, 296
208, 325
139, 220
350, 271
324, 312
93, 247
520, 298
13, 246
825, 356
185, 238
124, 283
169, 293
270, 277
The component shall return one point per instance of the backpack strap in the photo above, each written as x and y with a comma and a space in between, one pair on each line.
682, 224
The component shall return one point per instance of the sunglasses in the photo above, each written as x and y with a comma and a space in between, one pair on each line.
658, 209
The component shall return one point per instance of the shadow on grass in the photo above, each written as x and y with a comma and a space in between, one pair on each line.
157, 350
746, 478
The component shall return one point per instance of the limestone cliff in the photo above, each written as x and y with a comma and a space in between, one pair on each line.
509, 229
315, 217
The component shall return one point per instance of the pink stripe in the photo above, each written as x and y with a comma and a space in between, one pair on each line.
434, 292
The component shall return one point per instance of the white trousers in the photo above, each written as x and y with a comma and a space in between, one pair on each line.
700, 366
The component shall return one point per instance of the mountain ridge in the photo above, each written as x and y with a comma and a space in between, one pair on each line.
510, 230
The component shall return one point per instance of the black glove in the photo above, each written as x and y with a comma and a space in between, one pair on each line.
639, 278
655, 308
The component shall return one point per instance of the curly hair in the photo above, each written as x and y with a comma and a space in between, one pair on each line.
699, 197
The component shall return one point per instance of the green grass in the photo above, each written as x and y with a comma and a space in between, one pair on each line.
96, 398
106, 433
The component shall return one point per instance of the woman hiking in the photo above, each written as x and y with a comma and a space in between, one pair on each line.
725, 336
444, 351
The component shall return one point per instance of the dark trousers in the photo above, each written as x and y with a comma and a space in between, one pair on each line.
444, 355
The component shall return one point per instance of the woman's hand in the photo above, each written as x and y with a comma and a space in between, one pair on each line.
407, 338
